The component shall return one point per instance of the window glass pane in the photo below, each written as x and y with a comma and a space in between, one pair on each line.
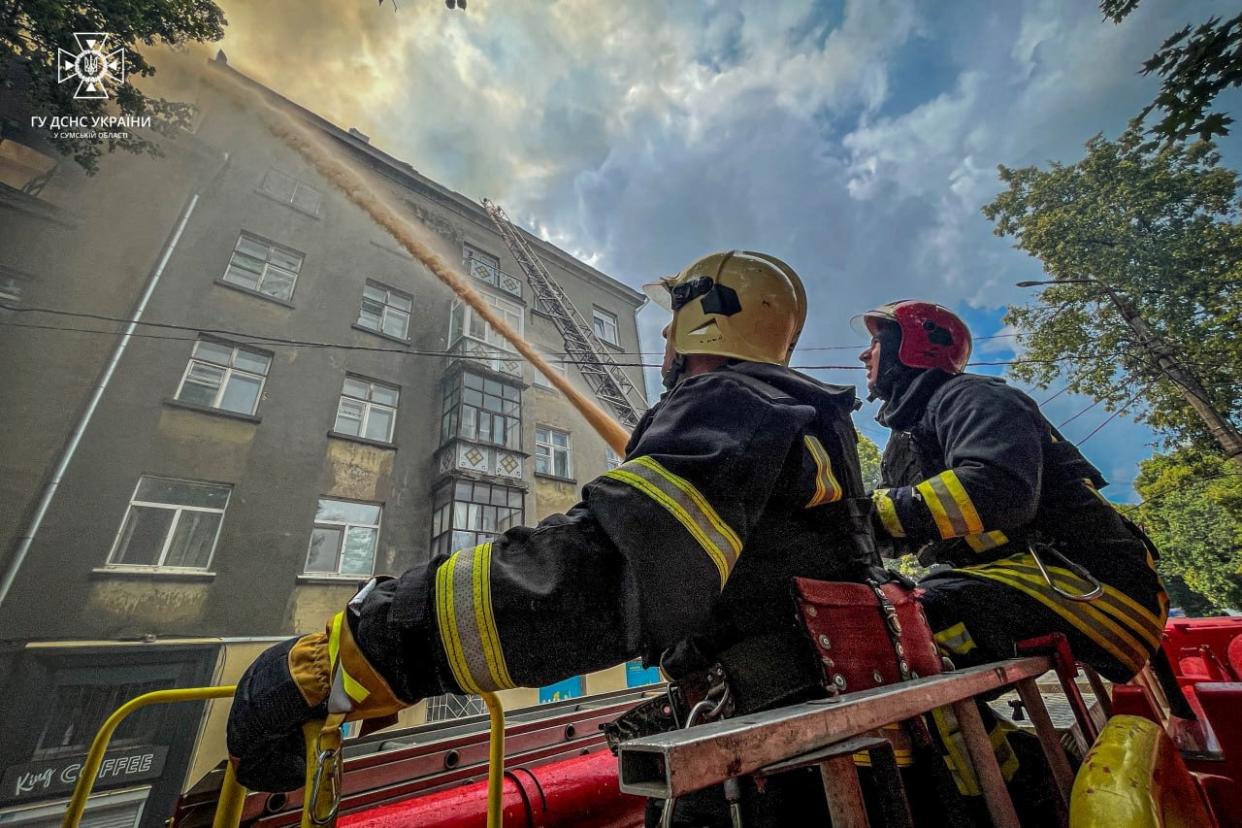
252, 247
192, 542
216, 352
369, 315
358, 557
349, 417
473, 381
241, 394
469, 422
241, 277
182, 492
379, 424
542, 464
342, 511
278, 283
474, 516
514, 438
371, 291
459, 516
541, 435
515, 498
252, 361
384, 394
560, 438
357, 388
500, 496
472, 397
307, 198
562, 464
463, 540
285, 259
279, 185
396, 323
200, 384
325, 542
511, 392
478, 328
143, 536
399, 301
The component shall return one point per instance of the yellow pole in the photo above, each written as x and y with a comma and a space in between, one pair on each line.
495, 762
232, 798
94, 757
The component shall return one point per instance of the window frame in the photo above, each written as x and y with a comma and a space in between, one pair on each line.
229, 370
386, 306
444, 512
609, 319
171, 531
552, 450
506, 307
298, 184
368, 405
453, 405
344, 527
245, 235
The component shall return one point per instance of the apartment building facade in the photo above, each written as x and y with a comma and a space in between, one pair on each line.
302, 405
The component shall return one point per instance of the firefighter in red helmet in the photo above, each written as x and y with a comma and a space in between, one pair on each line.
976, 480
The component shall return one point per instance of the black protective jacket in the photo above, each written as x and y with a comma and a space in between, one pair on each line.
736, 481
974, 469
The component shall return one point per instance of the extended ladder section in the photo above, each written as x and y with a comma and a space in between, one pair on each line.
582, 347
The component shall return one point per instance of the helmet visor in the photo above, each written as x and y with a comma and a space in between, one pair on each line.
866, 325
658, 292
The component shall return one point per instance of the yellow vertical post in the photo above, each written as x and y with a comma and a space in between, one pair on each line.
232, 798
495, 762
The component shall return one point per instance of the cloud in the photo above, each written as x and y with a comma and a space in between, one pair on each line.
856, 139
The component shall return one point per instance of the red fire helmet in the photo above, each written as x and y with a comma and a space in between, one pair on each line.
932, 336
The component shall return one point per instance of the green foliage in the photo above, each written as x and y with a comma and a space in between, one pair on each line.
1192, 508
1159, 224
1196, 65
869, 459
31, 32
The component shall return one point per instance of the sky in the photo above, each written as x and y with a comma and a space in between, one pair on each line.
855, 139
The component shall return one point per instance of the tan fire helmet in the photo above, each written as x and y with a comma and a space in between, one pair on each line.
738, 304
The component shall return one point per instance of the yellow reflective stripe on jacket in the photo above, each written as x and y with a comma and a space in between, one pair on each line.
1115, 603
887, 510
952, 508
1106, 635
956, 639
467, 622
685, 503
827, 489
356, 691
986, 541
958, 759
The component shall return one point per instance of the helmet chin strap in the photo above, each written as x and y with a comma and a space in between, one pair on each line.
675, 372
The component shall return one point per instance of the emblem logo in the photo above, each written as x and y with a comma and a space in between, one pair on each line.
93, 66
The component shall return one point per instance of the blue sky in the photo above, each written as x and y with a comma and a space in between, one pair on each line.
857, 139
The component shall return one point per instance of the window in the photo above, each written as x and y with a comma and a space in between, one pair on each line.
289, 190
553, 454
224, 376
465, 514
605, 326
465, 321
452, 706
264, 267
385, 310
367, 409
558, 363
613, 459
344, 538
170, 524
76, 710
482, 410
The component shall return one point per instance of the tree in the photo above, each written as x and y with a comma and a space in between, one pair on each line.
869, 458
32, 32
1192, 508
1196, 67
1159, 225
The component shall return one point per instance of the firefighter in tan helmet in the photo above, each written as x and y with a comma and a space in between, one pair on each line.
733, 483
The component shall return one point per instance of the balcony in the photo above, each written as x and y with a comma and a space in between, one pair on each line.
488, 356
494, 276
494, 461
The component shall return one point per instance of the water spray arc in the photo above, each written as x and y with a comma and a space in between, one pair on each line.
338, 172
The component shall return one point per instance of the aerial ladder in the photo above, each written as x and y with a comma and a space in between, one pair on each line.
582, 347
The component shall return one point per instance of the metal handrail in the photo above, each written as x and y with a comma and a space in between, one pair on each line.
232, 795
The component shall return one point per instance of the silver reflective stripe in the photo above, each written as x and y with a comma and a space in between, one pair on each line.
948, 504
685, 503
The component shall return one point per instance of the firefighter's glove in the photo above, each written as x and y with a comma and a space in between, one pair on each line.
312, 677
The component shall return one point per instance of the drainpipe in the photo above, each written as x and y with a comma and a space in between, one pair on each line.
27, 537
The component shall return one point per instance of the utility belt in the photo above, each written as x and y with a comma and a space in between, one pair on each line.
861, 636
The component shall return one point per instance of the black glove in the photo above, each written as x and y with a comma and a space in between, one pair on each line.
292, 683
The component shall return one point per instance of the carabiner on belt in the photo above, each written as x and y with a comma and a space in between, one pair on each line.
1097, 589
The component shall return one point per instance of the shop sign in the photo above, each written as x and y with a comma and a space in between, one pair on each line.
36, 780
